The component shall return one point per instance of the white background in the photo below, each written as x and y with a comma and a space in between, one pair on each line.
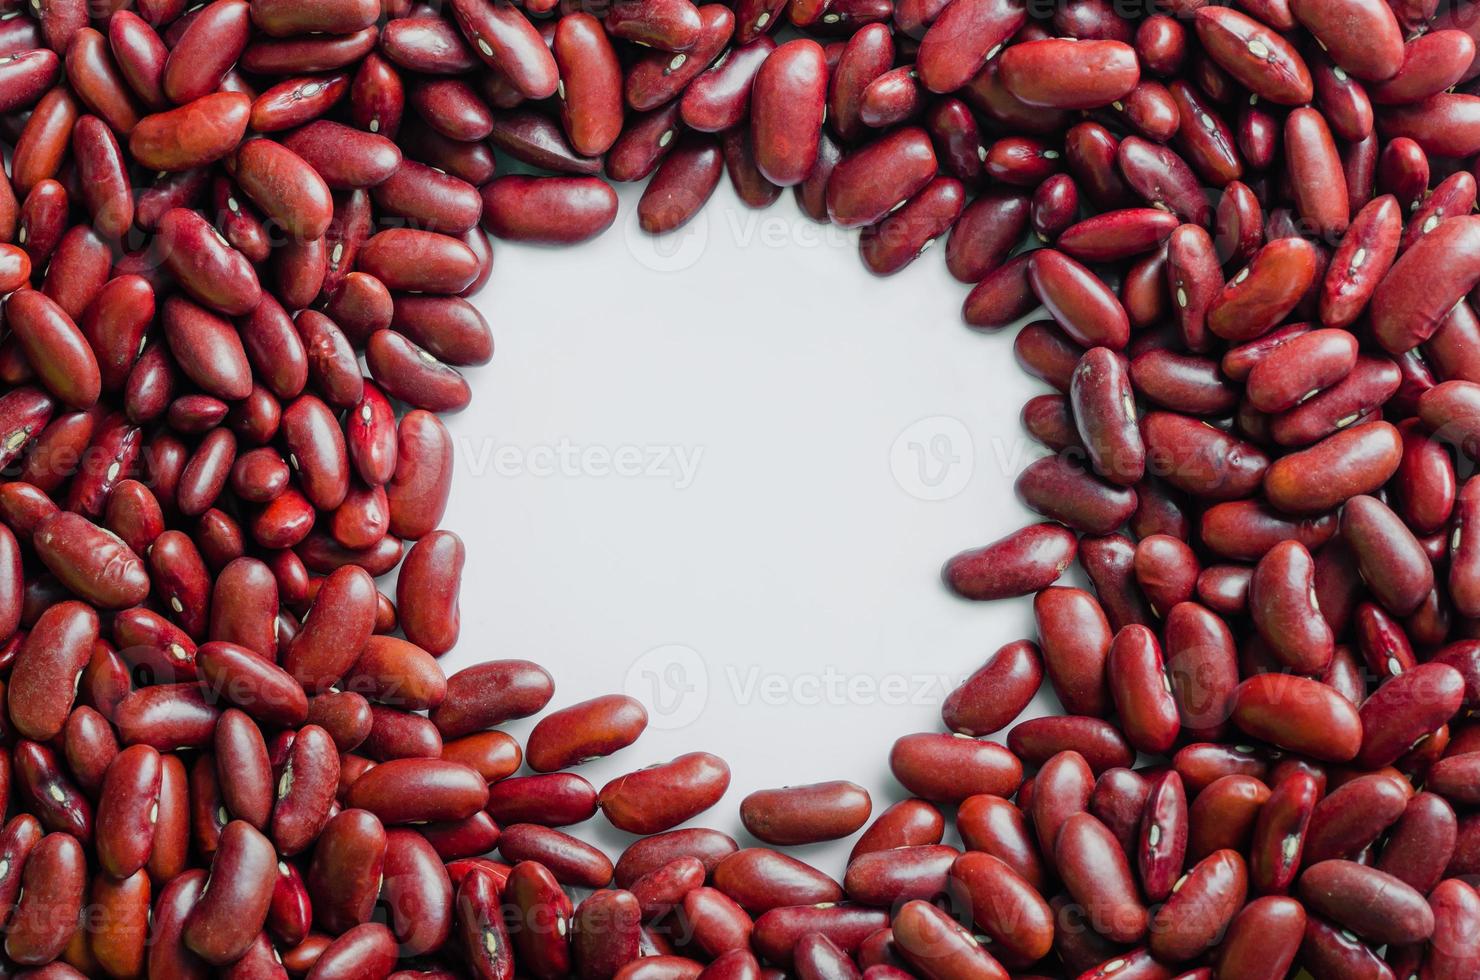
775, 598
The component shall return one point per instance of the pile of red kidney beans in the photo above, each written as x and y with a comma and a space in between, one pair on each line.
232, 755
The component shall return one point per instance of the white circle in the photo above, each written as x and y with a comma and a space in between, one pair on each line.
933, 459
673, 683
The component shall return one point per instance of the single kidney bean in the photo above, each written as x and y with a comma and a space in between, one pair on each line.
1406, 708
1141, 691
1369, 902
127, 813
1353, 816
1023, 562
996, 693
919, 762
1421, 842
1198, 912
305, 791
1004, 906
1063, 73
661, 796
1095, 871
44, 679
1263, 939
585, 731
344, 876
886, 878
229, 915
788, 103
336, 629
940, 948
489, 694
1353, 461
759, 879
1075, 639
419, 790
45, 916
1283, 602
1420, 289
806, 814
1298, 714
1101, 744
1062, 788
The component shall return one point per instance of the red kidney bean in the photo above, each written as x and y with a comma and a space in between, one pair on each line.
1283, 602
1100, 743
44, 678
229, 915
939, 947
1263, 940
661, 796
1095, 871
978, 767
1062, 788
996, 693
335, 630
806, 814
1421, 842
344, 876
1018, 564
1351, 462
1406, 708
1141, 691
491, 693
1063, 73
759, 879
1415, 295
1298, 714
1075, 639
1371, 903
45, 916
1012, 914
788, 103
1353, 816
888, 877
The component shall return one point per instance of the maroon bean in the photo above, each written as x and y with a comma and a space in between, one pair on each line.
1298, 714
1018, 564
662, 796
1096, 873
788, 102
1353, 816
1062, 73
549, 210
1141, 691
806, 814
1371, 903
997, 692
229, 915
45, 916
344, 877
1415, 295
758, 880
1263, 940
